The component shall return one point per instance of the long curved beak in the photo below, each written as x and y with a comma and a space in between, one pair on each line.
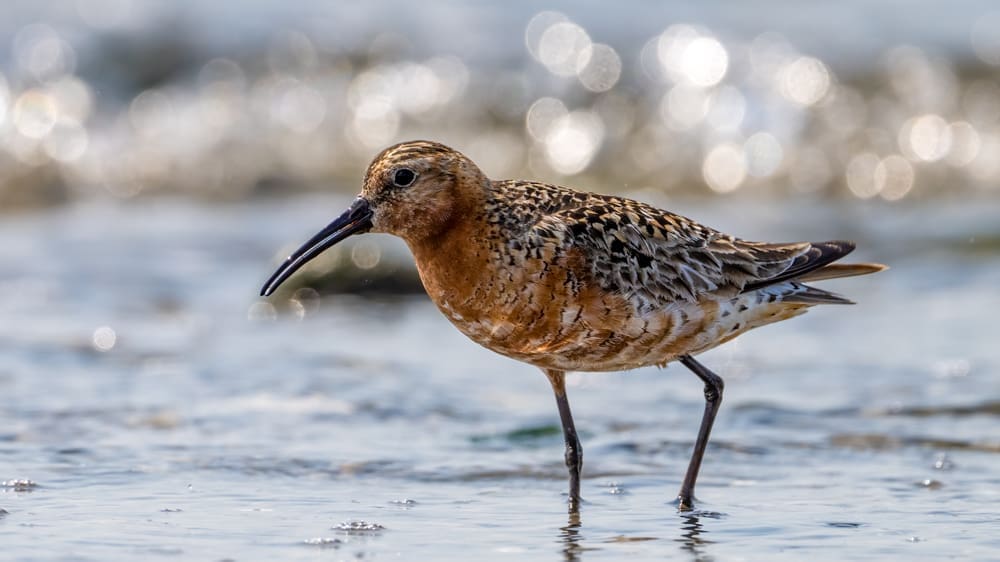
355, 220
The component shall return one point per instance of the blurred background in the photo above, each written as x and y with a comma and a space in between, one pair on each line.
158, 159
121, 99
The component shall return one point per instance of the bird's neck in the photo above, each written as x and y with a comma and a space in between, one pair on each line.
456, 261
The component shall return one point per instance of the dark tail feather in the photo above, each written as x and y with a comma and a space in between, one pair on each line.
818, 255
805, 294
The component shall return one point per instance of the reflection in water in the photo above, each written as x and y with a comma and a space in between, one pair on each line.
691, 539
570, 536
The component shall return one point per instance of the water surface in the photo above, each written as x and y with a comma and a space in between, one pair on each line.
152, 408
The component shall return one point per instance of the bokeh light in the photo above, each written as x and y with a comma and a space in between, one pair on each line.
542, 115
964, 143
704, 61
537, 26
262, 311
104, 338
35, 113
926, 137
763, 154
861, 175
893, 177
297, 106
689, 56
725, 167
599, 67
67, 141
42, 53
985, 166
563, 48
805, 80
686, 108
572, 141
366, 254
304, 301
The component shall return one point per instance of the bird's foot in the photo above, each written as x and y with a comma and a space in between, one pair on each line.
684, 503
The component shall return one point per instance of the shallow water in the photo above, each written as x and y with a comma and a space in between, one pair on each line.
210, 430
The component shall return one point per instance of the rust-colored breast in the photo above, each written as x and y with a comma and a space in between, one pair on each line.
521, 283
543, 309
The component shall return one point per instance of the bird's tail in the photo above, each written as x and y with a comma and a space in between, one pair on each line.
807, 294
837, 270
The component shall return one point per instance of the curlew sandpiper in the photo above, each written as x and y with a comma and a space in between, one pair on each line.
572, 281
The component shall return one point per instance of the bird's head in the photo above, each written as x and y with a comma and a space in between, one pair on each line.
414, 190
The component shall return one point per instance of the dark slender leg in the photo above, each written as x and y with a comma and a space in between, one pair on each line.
713, 399
574, 453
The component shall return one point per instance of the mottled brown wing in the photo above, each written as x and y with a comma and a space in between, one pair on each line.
656, 257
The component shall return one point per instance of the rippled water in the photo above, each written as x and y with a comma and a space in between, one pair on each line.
371, 428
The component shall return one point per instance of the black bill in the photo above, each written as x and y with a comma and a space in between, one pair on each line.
356, 219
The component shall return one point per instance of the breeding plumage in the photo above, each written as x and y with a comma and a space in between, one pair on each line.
573, 281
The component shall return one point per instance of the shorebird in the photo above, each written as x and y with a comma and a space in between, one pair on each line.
571, 281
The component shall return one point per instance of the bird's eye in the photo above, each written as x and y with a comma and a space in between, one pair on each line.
403, 177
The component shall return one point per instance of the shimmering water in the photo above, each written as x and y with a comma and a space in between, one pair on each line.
159, 413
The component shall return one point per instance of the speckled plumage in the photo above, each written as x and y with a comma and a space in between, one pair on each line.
576, 281
573, 281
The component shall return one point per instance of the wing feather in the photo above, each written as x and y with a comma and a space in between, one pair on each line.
658, 257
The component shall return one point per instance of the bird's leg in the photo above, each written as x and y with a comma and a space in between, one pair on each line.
574, 453
713, 399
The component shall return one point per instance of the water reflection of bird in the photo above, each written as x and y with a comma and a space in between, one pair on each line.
573, 281
691, 535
